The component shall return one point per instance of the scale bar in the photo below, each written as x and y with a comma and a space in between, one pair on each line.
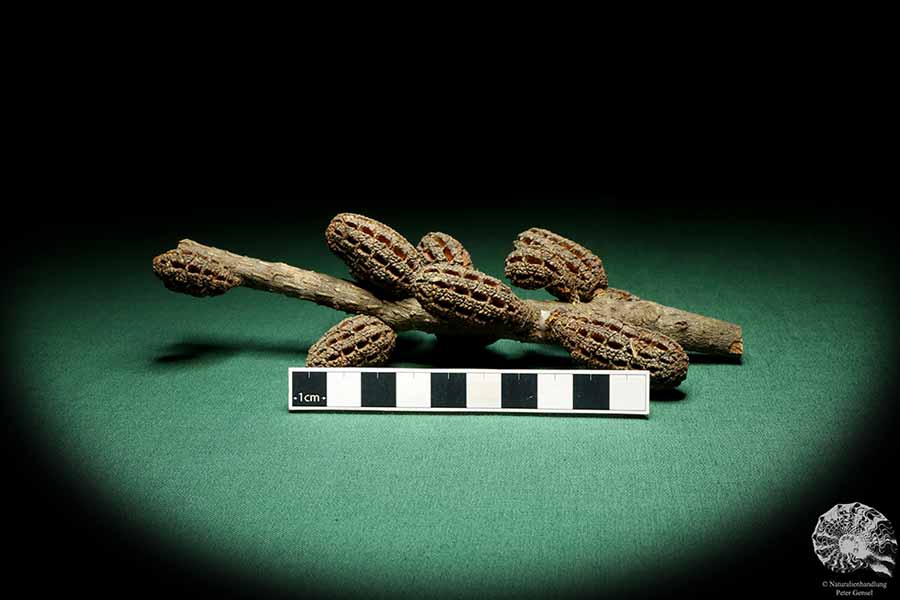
585, 392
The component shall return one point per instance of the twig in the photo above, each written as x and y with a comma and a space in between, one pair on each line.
696, 333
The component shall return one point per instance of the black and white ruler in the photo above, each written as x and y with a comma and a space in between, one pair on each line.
469, 390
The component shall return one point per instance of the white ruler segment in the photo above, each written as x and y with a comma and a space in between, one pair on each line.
583, 392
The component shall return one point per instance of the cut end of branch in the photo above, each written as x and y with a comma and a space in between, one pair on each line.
737, 347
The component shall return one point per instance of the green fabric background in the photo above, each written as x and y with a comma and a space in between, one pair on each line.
172, 412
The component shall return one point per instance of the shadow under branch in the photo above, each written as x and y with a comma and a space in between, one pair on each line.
412, 348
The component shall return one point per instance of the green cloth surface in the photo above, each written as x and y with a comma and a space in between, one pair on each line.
172, 411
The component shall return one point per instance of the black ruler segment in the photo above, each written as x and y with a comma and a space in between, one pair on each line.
585, 392
518, 390
309, 388
378, 389
448, 390
590, 392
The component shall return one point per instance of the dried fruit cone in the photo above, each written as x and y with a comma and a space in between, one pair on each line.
354, 342
374, 253
534, 268
566, 269
610, 344
187, 273
438, 247
470, 298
